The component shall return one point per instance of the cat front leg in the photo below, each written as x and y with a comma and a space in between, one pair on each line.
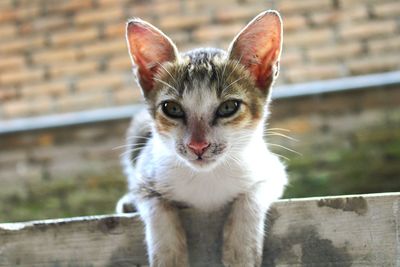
165, 236
243, 236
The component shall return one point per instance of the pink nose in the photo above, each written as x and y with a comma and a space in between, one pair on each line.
198, 147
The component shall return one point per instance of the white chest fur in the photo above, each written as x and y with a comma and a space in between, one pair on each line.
206, 190
212, 189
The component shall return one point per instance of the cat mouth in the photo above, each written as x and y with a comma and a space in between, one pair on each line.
201, 161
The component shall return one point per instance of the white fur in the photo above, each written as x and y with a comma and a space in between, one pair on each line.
211, 189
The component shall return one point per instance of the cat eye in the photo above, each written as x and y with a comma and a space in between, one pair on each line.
172, 109
228, 108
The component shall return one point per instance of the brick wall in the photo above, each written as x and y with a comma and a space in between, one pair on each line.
67, 55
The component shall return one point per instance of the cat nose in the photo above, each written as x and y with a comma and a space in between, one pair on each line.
198, 147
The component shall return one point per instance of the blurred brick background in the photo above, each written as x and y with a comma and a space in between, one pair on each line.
67, 55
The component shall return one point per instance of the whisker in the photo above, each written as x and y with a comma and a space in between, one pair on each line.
232, 83
282, 135
288, 149
281, 156
278, 129
161, 65
138, 137
166, 84
128, 146
223, 71
234, 68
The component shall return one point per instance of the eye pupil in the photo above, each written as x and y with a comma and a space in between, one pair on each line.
172, 109
228, 108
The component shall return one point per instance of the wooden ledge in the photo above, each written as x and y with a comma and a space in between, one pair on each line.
357, 230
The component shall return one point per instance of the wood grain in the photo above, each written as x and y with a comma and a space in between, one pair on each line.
335, 231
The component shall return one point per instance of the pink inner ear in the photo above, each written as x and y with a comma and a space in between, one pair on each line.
149, 48
258, 47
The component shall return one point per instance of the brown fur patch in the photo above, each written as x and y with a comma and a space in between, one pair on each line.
239, 82
163, 125
240, 121
247, 118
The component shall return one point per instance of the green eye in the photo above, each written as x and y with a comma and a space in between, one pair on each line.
228, 108
172, 109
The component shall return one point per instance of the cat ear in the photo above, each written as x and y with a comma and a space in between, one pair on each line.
258, 47
148, 48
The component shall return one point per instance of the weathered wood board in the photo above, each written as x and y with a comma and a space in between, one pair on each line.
335, 231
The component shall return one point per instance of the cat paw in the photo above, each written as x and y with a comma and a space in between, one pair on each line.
236, 252
170, 259
240, 257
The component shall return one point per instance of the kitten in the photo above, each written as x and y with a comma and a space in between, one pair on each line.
200, 141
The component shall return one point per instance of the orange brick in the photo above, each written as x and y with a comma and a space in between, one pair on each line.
80, 101
335, 51
6, 94
7, 14
43, 24
296, 22
372, 64
27, 13
6, 3
147, 9
41, 105
180, 38
336, 16
298, 125
16, 108
164, 7
20, 14
115, 30
289, 6
119, 63
11, 62
111, 2
101, 81
75, 36
104, 47
183, 21
384, 45
68, 5
237, 13
141, 10
23, 108
308, 37
52, 88
386, 9
73, 69
99, 15
127, 95
313, 72
217, 32
290, 58
55, 56
21, 44
349, 3
21, 76
7, 31
193, 6
368, 29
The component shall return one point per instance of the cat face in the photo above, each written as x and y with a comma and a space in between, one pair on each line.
207, 104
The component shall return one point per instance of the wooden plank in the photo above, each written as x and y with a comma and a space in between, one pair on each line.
341, 231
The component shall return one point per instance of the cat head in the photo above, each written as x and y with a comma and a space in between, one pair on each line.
207, 104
